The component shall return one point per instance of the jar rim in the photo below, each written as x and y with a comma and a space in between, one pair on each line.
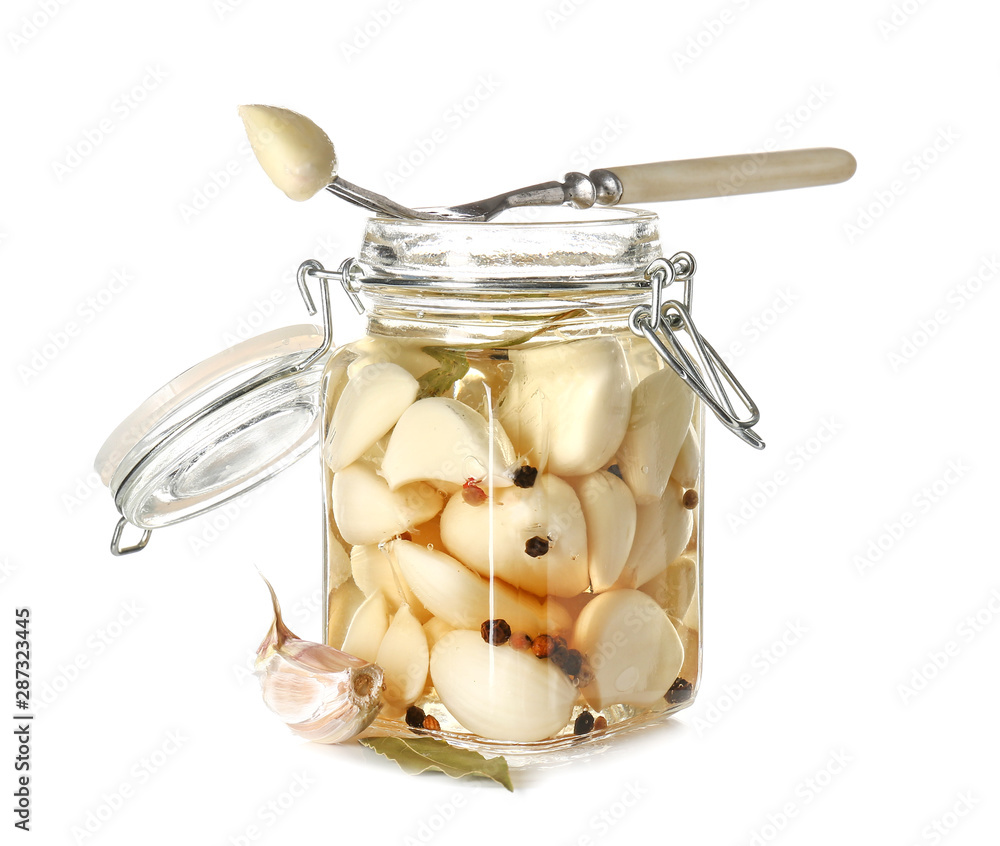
573, 250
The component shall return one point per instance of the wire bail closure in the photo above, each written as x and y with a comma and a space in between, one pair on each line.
673, 317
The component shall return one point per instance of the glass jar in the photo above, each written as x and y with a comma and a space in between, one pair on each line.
513, 482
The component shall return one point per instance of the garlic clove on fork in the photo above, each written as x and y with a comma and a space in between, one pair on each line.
321, 693
294, 152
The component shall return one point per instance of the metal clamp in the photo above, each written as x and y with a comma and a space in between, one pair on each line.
116, 538
668, 319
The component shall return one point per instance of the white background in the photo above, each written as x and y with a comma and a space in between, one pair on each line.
845, 731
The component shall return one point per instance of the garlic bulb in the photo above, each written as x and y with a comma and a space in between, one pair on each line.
499, 692
548, 514
294, 152
661, 414
323, 694
369, 406
567, 404
633, 649
442, 440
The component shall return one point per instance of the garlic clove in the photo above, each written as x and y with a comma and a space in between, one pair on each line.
338, 565
368, 512
435, 629
498, 692
369, 406
368, 627
633, 649
375, 349
539, 539
662, 532
442, 440
294, 152
687, 467
373, 572
403, 657
610, 514
567, 404
674, 589
464, 599
662, 406
343, 605
323, 694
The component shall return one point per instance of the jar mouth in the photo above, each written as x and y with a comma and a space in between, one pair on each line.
557, 248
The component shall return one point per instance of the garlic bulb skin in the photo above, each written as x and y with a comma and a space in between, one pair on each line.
368, 512
369, 406
567, 404
323, 694
633, 649
464, 599
442, 440
294, 152
498, 692
548, 511
661, 411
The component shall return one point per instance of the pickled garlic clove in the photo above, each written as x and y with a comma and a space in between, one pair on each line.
435, 629
403, 656
661, 414
323, 694
367, 511
294, 152
687, 467
567, 404
374, 349
369, 406
343, 605
662, 532
548, 512
610, 514
633, 648
464, 599
498, 692
674, 589
373, 572
368, 627
442, 440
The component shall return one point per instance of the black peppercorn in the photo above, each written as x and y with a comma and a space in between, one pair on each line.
415, 717
584, 723
536, 546
680, 691
524, 477
495, 632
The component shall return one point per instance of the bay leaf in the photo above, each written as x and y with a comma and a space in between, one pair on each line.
420, 754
